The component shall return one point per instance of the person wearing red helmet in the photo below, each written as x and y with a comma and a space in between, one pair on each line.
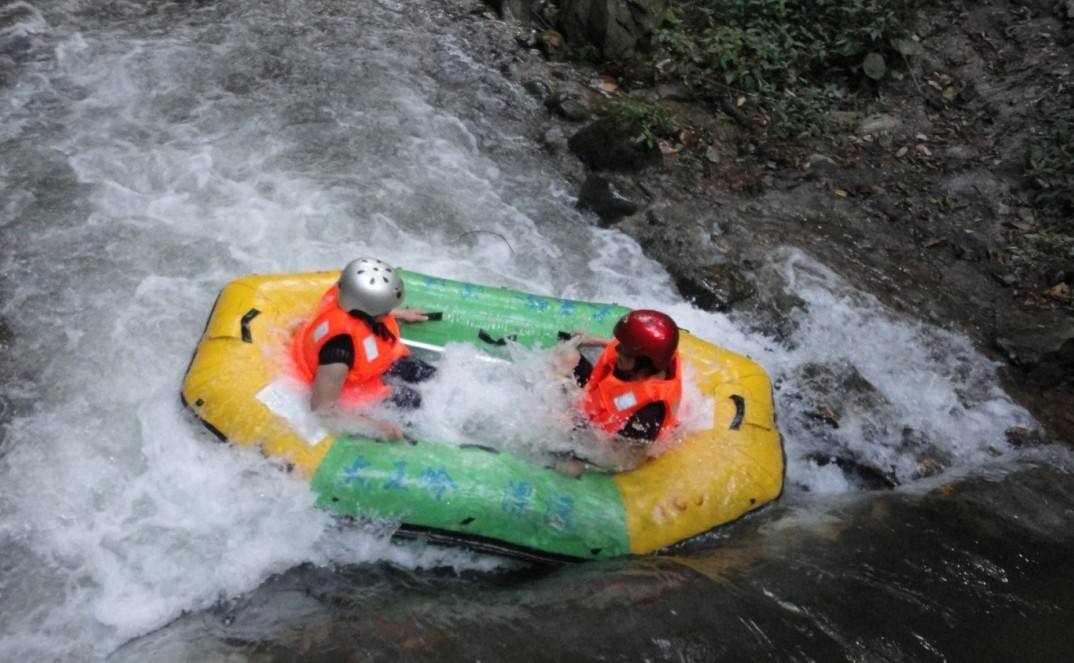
633, 389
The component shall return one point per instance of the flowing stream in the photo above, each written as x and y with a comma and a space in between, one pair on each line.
153, 151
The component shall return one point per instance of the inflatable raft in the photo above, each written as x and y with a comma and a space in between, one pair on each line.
475, 495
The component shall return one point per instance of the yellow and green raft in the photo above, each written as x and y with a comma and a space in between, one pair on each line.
472, 494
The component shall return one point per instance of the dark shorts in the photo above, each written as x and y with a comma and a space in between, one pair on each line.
408, 369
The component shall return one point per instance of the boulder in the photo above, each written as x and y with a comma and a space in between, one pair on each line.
714, 287
571, 107
609, 200
608, 145
617, 28
512, 10
1043, 349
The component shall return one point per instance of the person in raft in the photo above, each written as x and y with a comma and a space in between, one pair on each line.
351, 344
634, 388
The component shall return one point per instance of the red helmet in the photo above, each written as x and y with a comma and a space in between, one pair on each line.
649, 334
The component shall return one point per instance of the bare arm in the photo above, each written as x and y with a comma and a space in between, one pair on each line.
412, 314
566, 355
582, 338
327, 383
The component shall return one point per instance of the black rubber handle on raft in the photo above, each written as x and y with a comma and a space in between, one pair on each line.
740, 411
245, 325
484, 336
565, 336
482, 447
434, 315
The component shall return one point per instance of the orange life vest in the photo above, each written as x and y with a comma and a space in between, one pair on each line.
610, 402
372, 354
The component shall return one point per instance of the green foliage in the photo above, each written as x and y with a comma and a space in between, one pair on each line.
1050, 168
648, 122
584, 52
784, 52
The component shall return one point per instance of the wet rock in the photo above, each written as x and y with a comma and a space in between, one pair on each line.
554, 140
959, 153
674, 92
842, 378
929, 466
1058, 274
817, 160
607, 145
824, 413
831, 393
714, 287
875, 124
512, 10
617, 28
568, 106
858, 472
552, 45
772, 312
605, 197
1043, 348
538, 88
976, 185
1056, 367
1020, 437
239, 83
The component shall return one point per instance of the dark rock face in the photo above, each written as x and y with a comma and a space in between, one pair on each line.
606, 145
617, 28
512, 10
1045, 353
570, 107
603, 196
714, 287
1056, 367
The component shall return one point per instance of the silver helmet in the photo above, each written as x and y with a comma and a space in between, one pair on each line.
370, 286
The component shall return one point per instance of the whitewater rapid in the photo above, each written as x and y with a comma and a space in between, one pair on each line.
155, 151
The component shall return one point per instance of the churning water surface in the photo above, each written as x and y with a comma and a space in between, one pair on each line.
153, 151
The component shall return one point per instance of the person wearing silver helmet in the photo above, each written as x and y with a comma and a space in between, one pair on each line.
352, 343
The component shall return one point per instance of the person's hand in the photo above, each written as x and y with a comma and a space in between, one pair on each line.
570, 467
581, 337
413, 314
388, 430
564, 358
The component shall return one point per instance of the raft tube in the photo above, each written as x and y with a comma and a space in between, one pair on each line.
475, 495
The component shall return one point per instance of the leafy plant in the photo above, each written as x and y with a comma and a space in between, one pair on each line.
648, 122
790, 54
1050, 168
585, 52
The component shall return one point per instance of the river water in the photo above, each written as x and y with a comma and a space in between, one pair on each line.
153, 151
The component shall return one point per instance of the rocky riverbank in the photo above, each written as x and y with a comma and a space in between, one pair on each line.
919, 196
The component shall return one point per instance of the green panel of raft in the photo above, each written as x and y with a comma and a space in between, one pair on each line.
473, 490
